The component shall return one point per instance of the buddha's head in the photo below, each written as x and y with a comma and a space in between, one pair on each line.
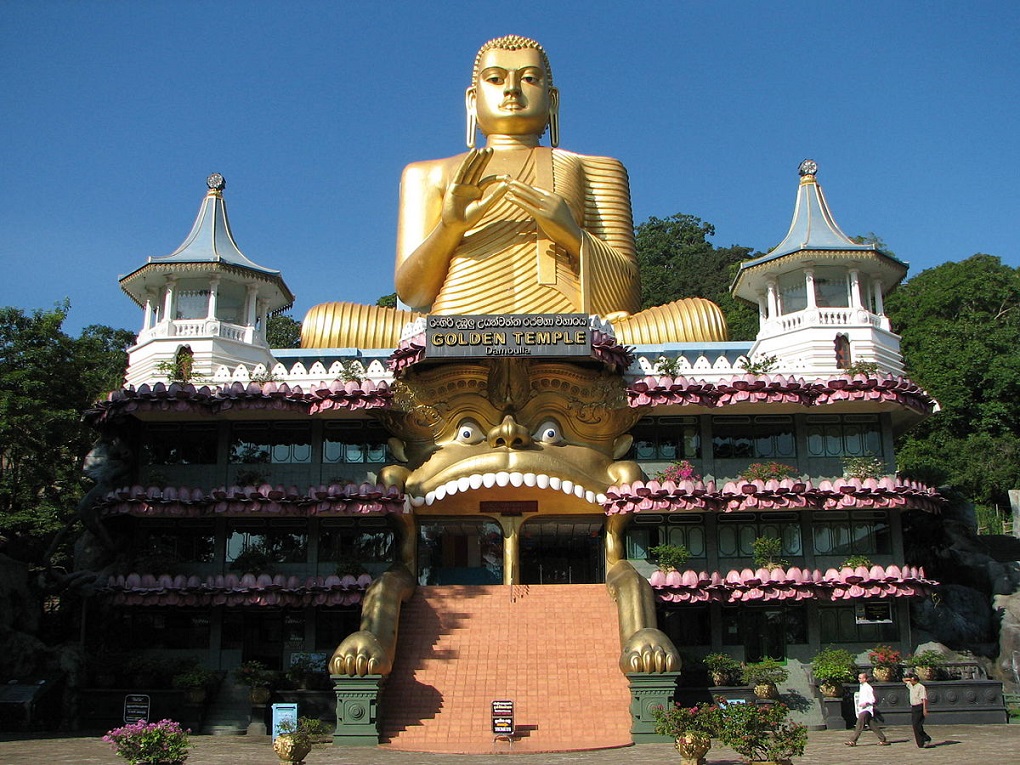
511, 90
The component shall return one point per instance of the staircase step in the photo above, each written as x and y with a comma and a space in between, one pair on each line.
551, 649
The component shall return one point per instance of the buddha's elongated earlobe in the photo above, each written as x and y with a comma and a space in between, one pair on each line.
472, 120
554, 117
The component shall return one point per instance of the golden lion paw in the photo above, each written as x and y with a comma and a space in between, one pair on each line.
649, 650
360, 654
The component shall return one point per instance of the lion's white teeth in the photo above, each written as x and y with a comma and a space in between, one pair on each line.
589, 496
440, 493
489, 480
567, 487
430, 498
601, 498
475, 481
502, 478
516, 480
579, 491
529, 479
417, 501
463, 483
542, 481
555, 482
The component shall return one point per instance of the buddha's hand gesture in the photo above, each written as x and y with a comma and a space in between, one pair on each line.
550, 211
466, 199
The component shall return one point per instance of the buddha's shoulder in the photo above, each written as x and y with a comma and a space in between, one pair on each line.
591, 163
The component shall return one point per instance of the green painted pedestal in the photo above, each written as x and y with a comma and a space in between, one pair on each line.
357, 709
647, 692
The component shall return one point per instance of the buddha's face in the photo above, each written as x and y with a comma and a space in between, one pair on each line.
511, 95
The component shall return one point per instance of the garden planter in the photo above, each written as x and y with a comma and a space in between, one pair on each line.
720, 679
927, 674
693, 747
291, 749
884, 674
831, 690
766, 691
260, 696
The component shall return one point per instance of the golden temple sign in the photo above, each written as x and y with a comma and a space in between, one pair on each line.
555, 335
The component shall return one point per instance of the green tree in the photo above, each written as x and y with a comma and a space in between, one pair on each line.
960, 325
283, 331
676, 260
47, 380
388, 301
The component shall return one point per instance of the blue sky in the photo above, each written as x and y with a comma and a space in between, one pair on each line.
113, 114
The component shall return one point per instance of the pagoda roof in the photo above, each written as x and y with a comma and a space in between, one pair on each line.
210, 243
815, 235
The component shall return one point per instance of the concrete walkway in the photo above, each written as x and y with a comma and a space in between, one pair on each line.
955, 745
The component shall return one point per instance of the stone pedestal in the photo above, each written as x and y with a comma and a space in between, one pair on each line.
648, 692
835, 712
357, 709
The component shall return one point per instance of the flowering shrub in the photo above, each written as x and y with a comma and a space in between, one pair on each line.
766, 471
767, 552
702, 718
145, 743
678, 471
884, 656
762, 732
863, 467
254, 674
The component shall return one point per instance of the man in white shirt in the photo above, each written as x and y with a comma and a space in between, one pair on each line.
918, 710
866, 712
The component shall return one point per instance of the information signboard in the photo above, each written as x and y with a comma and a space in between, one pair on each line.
137, 707
503, 718
548, 334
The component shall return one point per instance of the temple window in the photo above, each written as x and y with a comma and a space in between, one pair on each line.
843, 435
353, 542
865, 532
192, 304
173, 628
188, 444
737, 532
332, 625
831, 288
762, 437
344, 442
667, 438
648, 531
276, 443
256, 546
840, 624
792, 292
842, 349
163, 544
686, 625
764, 631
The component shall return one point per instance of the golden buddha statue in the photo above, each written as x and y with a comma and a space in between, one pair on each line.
514, 227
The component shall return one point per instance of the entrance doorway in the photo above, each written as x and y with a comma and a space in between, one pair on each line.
764, 634
462, 551
563, 550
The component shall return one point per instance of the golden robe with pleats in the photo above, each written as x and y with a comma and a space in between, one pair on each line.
505, 265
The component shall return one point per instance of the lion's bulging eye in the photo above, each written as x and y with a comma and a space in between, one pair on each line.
549, 433
469, 432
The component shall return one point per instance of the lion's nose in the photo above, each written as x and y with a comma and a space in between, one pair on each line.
509, 434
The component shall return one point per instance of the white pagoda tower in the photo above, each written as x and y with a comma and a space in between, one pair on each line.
820, 294
205, 304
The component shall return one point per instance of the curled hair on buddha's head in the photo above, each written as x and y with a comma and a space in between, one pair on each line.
512, 42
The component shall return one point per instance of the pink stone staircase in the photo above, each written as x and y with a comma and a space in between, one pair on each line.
551, 649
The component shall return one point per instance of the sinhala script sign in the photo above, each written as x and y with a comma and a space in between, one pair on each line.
546, 334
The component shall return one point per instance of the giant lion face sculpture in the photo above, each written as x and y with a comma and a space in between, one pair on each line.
510, 430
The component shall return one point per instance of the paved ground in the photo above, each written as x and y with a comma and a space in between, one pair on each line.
955, 745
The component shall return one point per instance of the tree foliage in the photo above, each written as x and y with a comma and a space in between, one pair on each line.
47, 379
283, 331
676, 260
960, 325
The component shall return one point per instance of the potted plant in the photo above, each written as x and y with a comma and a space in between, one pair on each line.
670, 557
722, 667
854, 561
682, 470
196, 682
145, 743
762, 732
768, 552
692, 729
927, 664
294, 742
885, 663
258, 677
831, 668
768, 471
304, 669
765, 675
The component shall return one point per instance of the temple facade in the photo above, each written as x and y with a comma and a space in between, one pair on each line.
259, 508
